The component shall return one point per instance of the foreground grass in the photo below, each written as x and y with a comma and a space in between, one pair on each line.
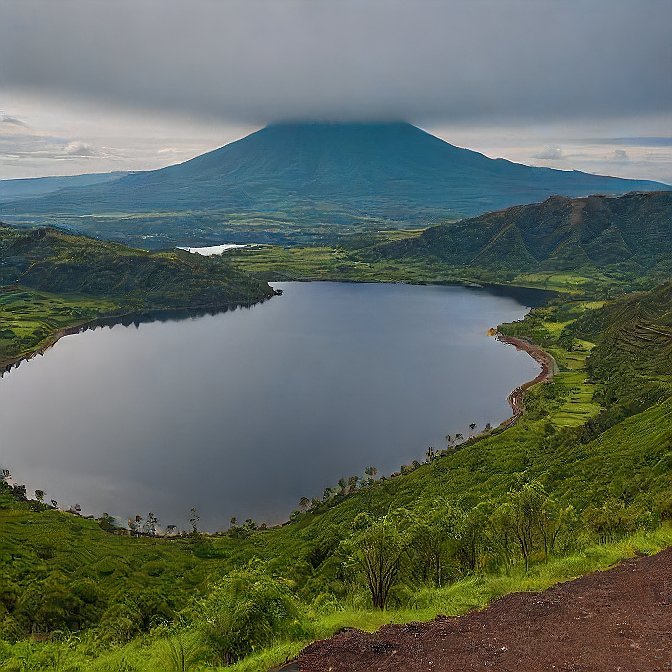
155, 651
471, 593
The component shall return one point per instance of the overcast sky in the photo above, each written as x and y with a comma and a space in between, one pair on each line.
94, 85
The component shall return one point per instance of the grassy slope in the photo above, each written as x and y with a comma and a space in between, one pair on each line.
625, 237
50, 280
584, 245
626, 457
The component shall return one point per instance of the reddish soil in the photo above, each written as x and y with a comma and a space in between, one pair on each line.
548, 366
619, 620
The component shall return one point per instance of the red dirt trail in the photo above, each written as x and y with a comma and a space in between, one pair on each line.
619, 620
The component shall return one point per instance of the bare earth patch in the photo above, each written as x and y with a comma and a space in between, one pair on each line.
619, 620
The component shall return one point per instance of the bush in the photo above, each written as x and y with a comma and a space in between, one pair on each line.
247, 611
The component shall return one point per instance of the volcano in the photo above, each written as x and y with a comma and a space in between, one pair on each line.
317, 174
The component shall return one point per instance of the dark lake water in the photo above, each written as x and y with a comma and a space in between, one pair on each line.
244, 412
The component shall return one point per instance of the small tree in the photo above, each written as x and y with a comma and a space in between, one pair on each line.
39, 496
149, 528
377, 548
433, 538
304, 503
472, 536
194, 519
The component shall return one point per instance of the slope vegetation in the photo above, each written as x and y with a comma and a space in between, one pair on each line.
626, 236
50, 280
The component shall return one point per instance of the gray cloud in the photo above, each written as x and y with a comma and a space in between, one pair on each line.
644, 141
251, 61
550, 154
12, 121
619, 155
80, 149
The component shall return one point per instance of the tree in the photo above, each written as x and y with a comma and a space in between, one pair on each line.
370, 473
433, 538
472, 536
521, 513
304, 503
194, 519
149, 528
106, 522
134, 524
377, 547
501, 521
39, 496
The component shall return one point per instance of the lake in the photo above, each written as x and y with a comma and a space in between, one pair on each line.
244, 412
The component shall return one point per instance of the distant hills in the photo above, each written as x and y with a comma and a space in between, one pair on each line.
630, 235
40, 186
299, 181
52, 261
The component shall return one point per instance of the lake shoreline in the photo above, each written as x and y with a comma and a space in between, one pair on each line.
549, 367
514, 397
111, 319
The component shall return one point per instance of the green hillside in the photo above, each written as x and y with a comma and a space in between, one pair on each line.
50, 280
619, 237
583, 479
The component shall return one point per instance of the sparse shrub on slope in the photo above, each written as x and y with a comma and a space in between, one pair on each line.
247, 611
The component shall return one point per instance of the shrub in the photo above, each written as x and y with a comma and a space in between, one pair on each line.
247, 611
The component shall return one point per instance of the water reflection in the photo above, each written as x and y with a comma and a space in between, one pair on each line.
244, 412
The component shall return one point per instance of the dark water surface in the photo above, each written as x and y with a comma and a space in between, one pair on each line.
244, 412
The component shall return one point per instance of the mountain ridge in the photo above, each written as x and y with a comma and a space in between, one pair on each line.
630, 233
312, 175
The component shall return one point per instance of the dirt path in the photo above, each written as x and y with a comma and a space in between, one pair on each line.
619, 620
548, 368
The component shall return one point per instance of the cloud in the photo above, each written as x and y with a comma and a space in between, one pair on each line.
31, 145
12, 121
431, 61
80, 149
550, 154
643, 141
